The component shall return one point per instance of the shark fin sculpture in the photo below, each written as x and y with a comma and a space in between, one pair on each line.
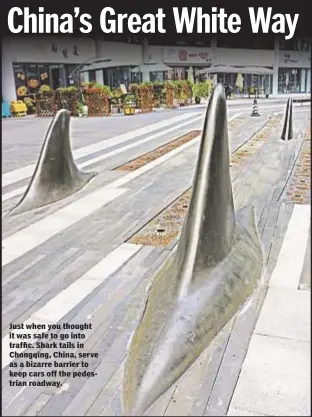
56, 175
287, 133
215, 269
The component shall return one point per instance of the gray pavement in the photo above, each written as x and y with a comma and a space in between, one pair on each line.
72, 262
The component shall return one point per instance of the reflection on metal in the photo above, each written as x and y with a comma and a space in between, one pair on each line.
216, 267
56, 175
287, 132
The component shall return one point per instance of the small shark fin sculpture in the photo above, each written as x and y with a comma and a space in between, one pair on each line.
56, 175
287, 133
215, 269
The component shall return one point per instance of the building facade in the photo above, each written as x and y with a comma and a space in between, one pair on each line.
29, 62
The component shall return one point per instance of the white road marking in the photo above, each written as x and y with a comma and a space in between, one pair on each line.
290, 261
37, 233
59, 306
134, 174
25, 172
20, 190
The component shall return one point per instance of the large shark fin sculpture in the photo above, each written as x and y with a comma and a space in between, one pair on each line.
216, 267
56, 175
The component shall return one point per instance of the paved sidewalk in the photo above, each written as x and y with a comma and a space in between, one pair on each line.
275, 377
75, 262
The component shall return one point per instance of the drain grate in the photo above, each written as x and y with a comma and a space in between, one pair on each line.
237, 122
299, 191
167, 225
158, 152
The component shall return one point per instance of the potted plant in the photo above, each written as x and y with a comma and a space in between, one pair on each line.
202, 90
30, 104
46, 103
129, 105
197, 90
134, 89
116, 98
68, 99
45, 89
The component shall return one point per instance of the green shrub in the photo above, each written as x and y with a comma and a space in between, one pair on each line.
45, 89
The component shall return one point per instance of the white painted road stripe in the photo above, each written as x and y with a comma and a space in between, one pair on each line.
290, 261
59, 306
25, 172
37, 233
20, 190
134, 174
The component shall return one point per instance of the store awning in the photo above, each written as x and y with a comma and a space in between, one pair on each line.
108, 64
151, 68
242, 70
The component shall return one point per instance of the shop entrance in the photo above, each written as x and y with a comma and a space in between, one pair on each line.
57, 76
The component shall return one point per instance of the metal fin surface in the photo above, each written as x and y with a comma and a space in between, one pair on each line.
56, 175
215, 269
287, 132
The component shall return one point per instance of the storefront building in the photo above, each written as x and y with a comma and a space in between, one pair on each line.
294, 72
30, 62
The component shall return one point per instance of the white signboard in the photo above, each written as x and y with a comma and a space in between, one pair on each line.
294, 59
187, 55
48, 49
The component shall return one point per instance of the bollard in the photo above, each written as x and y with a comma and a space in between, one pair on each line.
255, 112
56, 175
214, 270
287, 132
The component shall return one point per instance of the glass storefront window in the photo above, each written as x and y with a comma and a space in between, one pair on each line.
263, 82
20, 81
301, 45
176, 73
92, 76
308, 89
157, 76
30, 77
43, 71
136, 77
115, 76
305, 46
293, 80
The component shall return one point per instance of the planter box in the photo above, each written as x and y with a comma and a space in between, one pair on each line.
97, 102
68, 101
169, 98
146, 100
46, 104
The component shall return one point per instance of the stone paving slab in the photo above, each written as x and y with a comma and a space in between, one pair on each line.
38, 276
287, 314
275, 378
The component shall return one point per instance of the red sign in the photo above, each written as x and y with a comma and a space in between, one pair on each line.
190, 55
